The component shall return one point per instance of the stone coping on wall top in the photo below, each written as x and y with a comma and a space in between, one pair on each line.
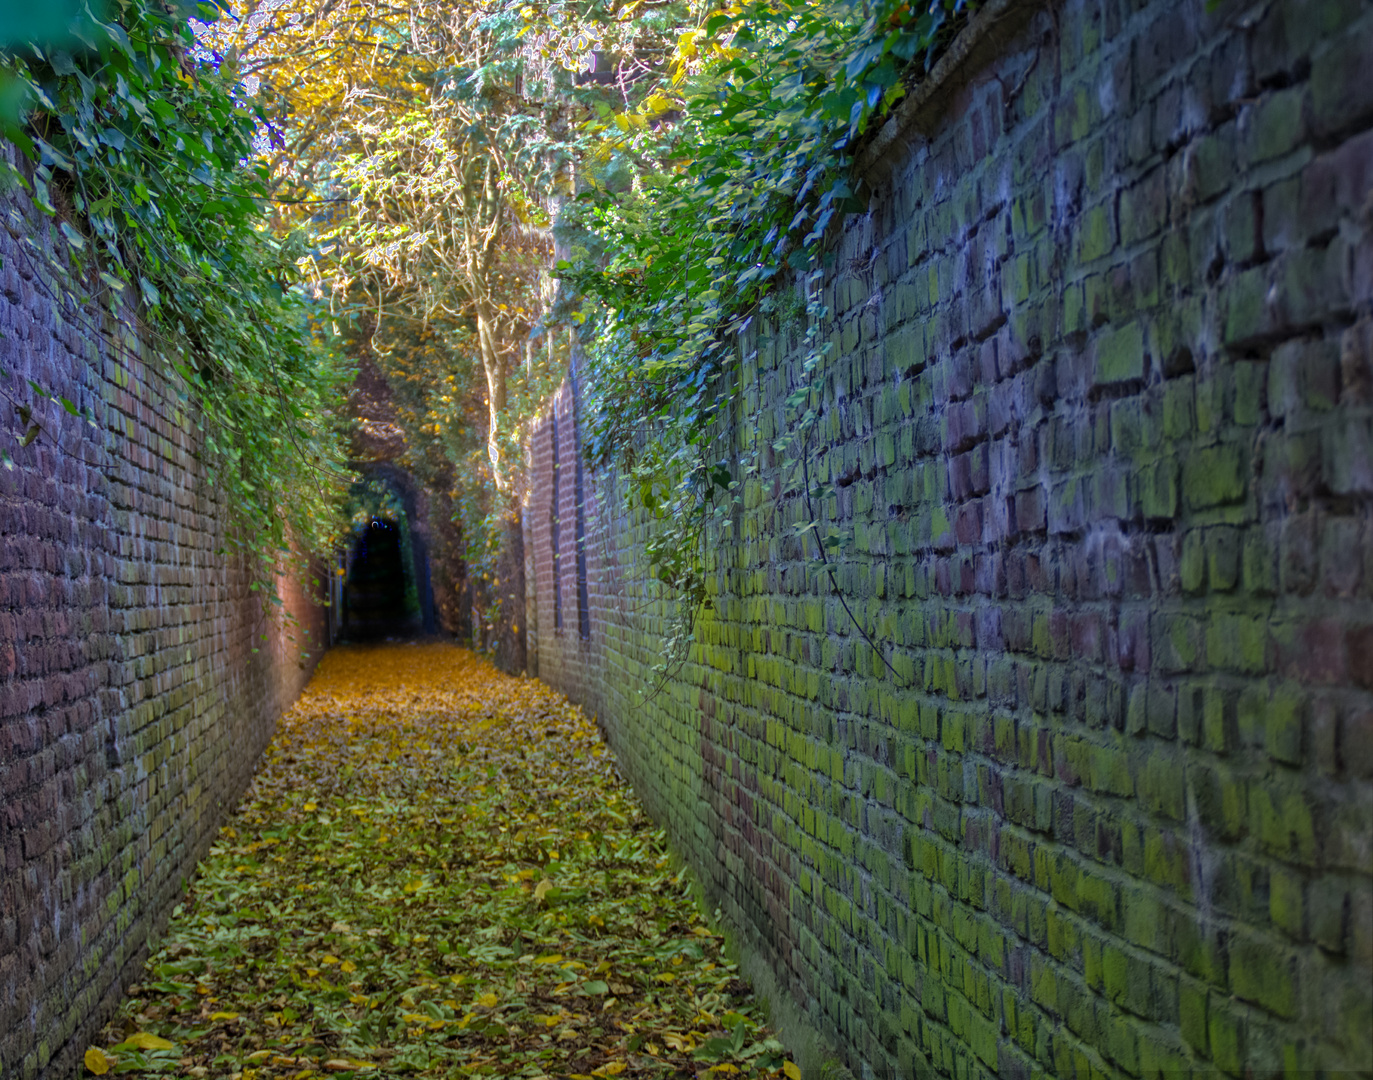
986, 34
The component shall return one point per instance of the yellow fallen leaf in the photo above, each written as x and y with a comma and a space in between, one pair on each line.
724, 1067
665, 976
224, 1016
97, 1061
144, 1040
310, 806
413, 886
792, 1070
439, 751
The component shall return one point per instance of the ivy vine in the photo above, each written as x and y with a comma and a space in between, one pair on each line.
742, 159
143, 159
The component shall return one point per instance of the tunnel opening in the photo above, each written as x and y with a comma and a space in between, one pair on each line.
380, 593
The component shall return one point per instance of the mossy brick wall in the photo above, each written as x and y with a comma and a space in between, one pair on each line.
565, 556
138, 678
1099, 416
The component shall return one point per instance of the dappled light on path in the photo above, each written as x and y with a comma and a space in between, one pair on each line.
437, 872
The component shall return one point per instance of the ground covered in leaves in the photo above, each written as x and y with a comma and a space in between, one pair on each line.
437, 872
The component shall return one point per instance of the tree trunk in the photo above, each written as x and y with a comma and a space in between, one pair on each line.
494, 366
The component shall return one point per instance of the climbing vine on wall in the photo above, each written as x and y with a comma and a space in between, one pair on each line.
741, 158
142, 158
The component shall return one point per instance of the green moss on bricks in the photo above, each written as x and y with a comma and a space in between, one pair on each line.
1283, 823
1237, 642
1263, 974
1285, 902
1096, 235
1120, 355
1213, 476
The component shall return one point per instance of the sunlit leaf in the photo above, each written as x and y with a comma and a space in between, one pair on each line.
144, 1040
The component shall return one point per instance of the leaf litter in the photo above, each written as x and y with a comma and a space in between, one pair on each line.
438, 872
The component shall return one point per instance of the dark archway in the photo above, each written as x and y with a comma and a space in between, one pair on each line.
380, 595
385, 586
403, 485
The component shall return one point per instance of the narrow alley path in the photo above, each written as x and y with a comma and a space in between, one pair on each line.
438, 872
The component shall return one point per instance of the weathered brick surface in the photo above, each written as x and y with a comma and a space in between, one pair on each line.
563, 559
138, 678
1100, 420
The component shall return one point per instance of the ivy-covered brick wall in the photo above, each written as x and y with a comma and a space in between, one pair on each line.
139, 678
1084, 784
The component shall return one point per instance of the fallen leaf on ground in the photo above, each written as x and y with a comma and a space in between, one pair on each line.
143, 1040
400, 818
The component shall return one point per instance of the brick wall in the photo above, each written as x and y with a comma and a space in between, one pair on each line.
1100, 419
139, 679
565, 556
